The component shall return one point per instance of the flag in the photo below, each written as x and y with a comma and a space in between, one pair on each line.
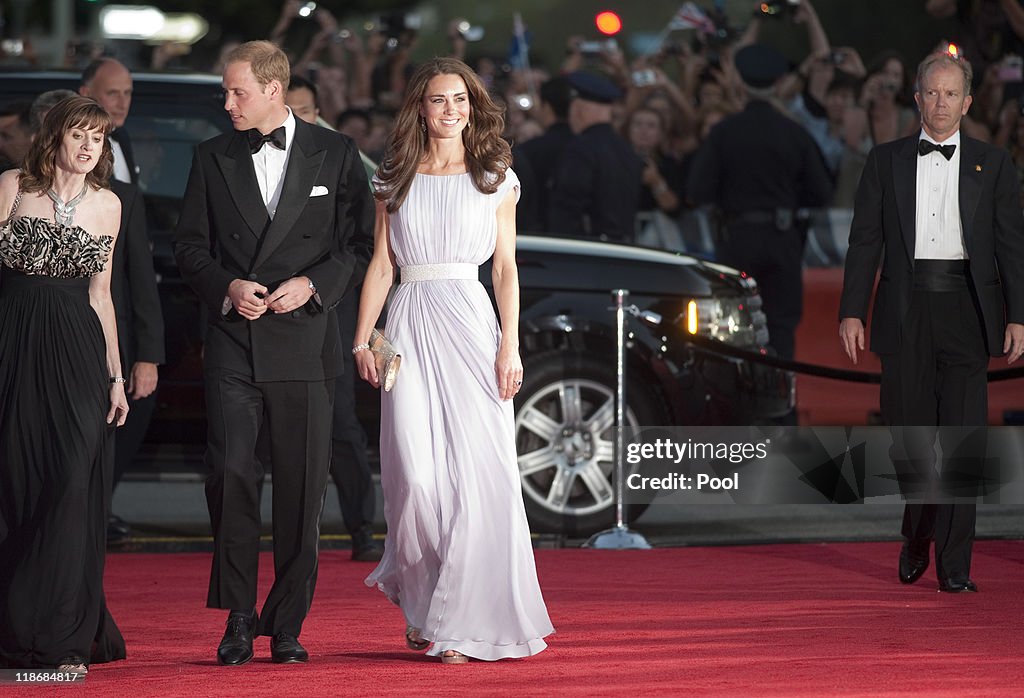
690, 16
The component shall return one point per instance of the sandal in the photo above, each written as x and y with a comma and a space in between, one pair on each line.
453, 657
73, 665
413, 640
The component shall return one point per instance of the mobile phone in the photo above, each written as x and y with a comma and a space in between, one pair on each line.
643, 78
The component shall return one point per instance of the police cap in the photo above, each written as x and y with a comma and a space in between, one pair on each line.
593, 87
760, 66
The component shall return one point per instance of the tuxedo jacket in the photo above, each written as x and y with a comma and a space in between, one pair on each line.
140, 322
884, 219
323, 229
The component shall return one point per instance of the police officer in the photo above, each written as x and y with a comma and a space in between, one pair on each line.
543, 153
597, 185
761, 168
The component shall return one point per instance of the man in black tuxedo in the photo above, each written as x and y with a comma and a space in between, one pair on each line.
277, 227
945, 210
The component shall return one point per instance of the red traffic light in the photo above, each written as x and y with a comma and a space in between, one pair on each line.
608, 23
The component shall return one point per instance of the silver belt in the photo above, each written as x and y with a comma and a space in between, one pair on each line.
438, 272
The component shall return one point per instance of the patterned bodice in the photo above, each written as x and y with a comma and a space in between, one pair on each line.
39, 246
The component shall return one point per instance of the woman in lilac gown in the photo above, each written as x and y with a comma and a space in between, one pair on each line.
458, 559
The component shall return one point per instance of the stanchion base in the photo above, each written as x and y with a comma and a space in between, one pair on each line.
618, 538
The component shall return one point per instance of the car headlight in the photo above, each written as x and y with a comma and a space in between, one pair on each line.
734, 320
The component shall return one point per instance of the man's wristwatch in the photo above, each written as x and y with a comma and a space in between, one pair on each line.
312, 286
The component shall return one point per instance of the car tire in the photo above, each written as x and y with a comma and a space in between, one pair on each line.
564, 430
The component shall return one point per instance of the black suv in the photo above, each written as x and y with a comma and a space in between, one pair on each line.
565, 410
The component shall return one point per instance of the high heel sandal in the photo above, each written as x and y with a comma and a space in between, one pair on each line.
453, 657
73, 665
413, 640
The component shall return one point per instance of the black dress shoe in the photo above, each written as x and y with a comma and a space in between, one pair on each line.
365, 548
118, 530
236, 645
285, 649
913, 562
951, 586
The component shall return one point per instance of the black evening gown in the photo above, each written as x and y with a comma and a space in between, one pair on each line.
55, 448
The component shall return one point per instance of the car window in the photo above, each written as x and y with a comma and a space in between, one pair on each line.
163, 139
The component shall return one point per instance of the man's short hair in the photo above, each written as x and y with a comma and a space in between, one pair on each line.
943, 59
44, 103
20, 108
297, 82
265, 59
350, 114
557, 93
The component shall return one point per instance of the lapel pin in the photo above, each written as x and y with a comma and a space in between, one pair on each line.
977, 168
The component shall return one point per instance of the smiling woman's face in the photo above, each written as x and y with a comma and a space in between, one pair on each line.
445, 107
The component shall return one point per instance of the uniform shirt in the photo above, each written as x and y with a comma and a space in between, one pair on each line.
597, 187
939, 233
759, 160
270, 164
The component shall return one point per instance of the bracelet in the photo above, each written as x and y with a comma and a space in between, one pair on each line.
359, 347
117, 379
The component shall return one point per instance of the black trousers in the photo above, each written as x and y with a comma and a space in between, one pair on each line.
350, 468
298, 423
937, 379
775, 259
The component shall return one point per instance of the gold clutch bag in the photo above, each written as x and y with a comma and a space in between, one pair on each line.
388, 360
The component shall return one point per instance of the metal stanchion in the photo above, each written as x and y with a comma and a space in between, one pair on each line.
619, 537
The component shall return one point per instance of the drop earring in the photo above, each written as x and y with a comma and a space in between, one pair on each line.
423, 125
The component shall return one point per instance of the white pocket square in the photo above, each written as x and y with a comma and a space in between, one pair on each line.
318, 191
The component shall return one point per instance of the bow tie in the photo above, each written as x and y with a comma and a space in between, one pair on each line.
257, 139
924, 147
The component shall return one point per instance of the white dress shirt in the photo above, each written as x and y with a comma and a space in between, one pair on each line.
270, 164
939, 232
121, 171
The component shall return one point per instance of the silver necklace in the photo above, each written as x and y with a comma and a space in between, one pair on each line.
64, 212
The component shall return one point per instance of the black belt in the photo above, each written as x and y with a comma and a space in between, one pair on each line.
940, 275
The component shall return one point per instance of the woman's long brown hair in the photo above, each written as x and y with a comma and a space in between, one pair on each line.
41, 162
487, 154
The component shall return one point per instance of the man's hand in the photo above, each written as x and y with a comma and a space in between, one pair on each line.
291, 295
143, 380
851, 336
247, 298
1013, 345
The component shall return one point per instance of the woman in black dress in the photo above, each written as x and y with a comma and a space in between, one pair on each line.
60, 394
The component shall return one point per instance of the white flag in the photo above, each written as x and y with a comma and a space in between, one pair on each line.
690, 16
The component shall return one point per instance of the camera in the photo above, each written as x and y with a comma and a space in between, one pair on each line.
606, 46
779, 8
306, 10
469, 32
643, 78
836, 57
1011, 69
523, 101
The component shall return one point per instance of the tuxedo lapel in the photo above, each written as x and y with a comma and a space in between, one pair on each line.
972, 160
304, 163
904, 174
239, 174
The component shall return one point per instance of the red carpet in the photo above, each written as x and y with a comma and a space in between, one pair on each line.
778, 620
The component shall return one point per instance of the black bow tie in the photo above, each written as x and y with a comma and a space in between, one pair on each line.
924, 147
257, 139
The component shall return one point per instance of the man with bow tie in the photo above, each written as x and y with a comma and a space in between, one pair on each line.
276, 227
944, 209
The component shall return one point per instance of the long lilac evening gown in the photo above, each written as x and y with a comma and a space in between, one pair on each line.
458, 558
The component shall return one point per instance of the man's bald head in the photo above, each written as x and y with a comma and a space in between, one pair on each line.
108, 82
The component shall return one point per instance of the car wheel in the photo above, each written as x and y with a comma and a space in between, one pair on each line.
565, 415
